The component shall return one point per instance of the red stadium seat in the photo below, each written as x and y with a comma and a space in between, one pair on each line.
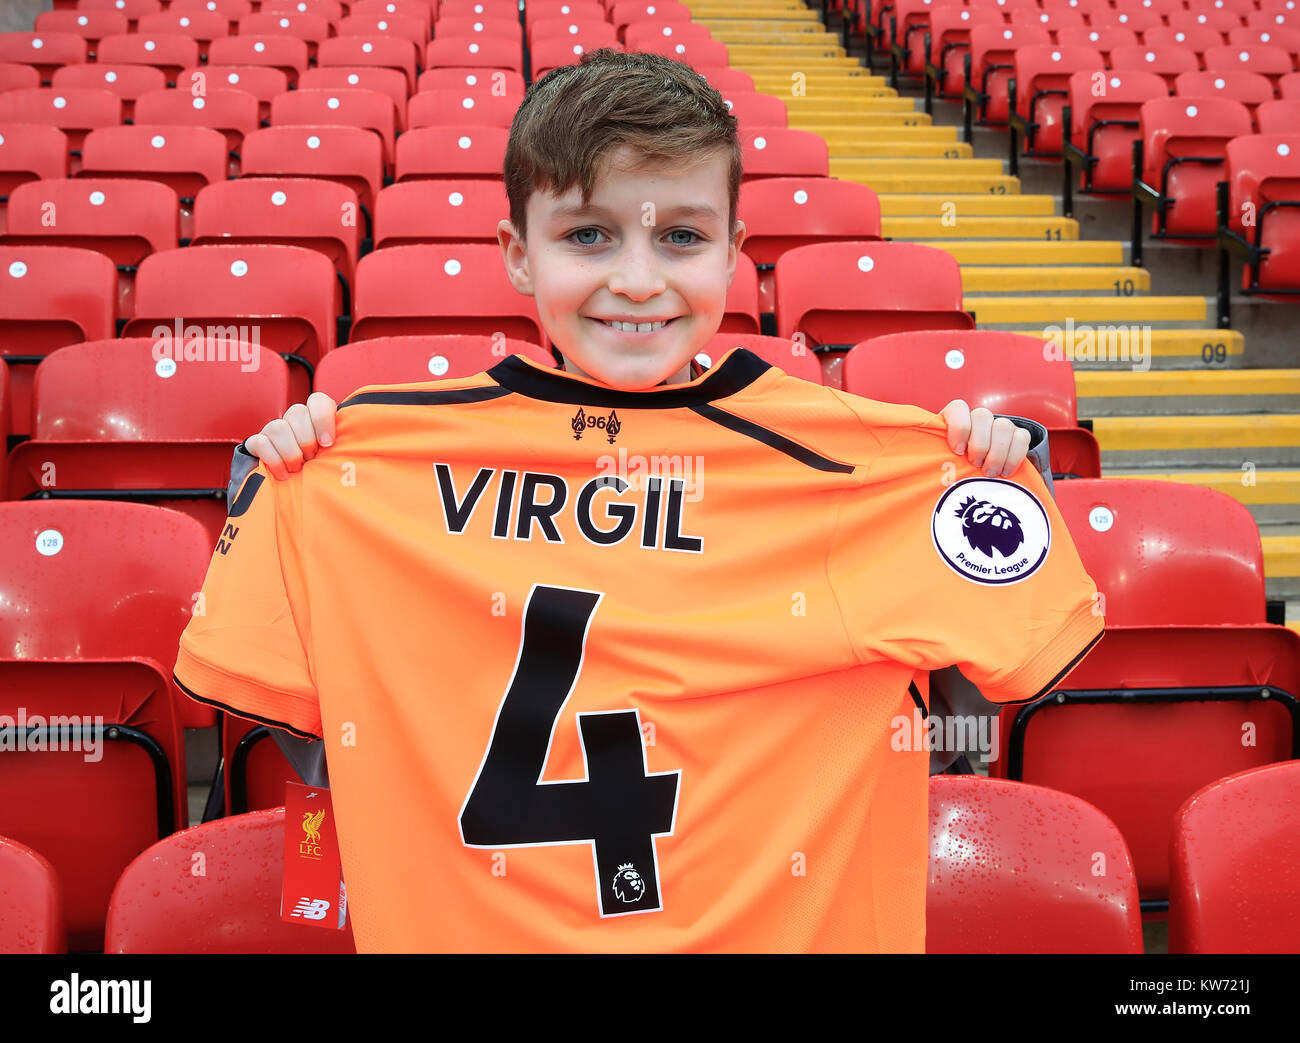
777, 152
466, 210
124, 220
1221, 21
837, 294
505, 82
537, 9
781, 213
1235, 878
400, 26
286, 53
1040, 90
458, 52
388, 52
1104, 38
320, 215
754, 111
261, 81
331, 10
49, 296
742, 311
1135, 18
128, 82
416, 359
417, 9
348, 155
14, 75
556, 52
1285, 38
1263, 174
639, 33
183, 158
93, 26
233, 10
448, 107
1054, 22
1193, 37
1184, 148
74, 110
452, 152
129, 420
231, 111
29, 152
1278, 117
625, 12
950, 31
202, 26
169, 52
1249, 88
1007, 373
389, 82
283, 294
909, 24
992, 65
441, 288
156, 907
44, 51
133, 9
695, 53
311, 28
591, 33
1165, 61
339, 107
1007, 876
31, 901
1272, 62
727, 81
502, 27
789, 355
1103, 127
99, 595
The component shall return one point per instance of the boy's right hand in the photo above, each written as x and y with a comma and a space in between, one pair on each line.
284, 445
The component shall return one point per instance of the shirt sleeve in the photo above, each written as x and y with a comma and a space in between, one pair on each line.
935, 565
245, 648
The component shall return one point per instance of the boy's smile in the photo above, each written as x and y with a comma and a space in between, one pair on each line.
651, 248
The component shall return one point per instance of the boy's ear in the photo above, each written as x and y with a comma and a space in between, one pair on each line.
516, 257
733, 251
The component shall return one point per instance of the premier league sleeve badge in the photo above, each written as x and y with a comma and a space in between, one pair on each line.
989, 530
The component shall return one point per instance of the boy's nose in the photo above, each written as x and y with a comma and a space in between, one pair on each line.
636, 273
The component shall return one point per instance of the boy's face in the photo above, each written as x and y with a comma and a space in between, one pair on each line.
633, 254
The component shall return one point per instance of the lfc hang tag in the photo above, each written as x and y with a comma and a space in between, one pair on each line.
313, 878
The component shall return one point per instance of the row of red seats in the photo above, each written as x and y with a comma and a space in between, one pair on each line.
980, 896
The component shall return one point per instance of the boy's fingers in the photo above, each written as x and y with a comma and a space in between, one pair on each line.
981, 435
285, 442
322, 409
260, 446
995, 463
1019, 450
957, 413
304, 433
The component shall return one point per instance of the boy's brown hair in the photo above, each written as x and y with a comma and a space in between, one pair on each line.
576, 115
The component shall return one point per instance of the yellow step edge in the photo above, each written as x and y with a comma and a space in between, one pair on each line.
810, 67
771, 25
1100, 310
1211, 383
748, 37
1294, 625
959, 226
904, 205
1209, 432
935, 184
866, 123
852, 142
845, 114
795, 52
1185, 344
1023, 252
1258, 487
902, 149
955, 168
1281, 556
1061, 278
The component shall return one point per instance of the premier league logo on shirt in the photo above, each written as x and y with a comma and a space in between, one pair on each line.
991, 531
628, 885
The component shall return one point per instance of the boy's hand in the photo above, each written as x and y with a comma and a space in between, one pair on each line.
998, 445
285, 445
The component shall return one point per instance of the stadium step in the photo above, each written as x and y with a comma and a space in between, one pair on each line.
1282, 565
955, 225
747, 34
865, 123
1271, 494
1042, 279
1019, 312
970, 206
1271, 440
1188, 391
1014, 252
861, 141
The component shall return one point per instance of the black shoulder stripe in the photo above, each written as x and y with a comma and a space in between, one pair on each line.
916, 698
243, 713
424, 398
778, 442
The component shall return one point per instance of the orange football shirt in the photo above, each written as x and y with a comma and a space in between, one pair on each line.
577, 698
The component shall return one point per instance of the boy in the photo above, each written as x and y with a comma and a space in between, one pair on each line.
569, 711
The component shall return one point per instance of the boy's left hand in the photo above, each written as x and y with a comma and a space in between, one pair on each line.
996, 445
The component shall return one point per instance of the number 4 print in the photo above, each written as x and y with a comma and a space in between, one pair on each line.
619, 808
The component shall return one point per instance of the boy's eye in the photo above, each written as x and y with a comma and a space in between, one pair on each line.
694, 236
